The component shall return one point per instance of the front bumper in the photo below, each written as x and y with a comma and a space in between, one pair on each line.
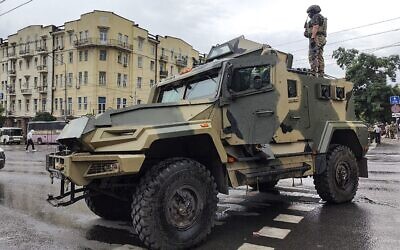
82, 168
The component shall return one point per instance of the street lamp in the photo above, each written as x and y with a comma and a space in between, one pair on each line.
65, 82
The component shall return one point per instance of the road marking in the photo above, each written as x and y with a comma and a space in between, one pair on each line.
273, 232
302, 207
288, 218
248, 246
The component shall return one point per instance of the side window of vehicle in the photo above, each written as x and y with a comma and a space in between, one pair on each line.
251, 78
292, 88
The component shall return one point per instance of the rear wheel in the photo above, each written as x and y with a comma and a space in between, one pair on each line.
339, 182
174, 205
106, 206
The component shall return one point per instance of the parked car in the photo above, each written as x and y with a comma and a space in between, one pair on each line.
2, 158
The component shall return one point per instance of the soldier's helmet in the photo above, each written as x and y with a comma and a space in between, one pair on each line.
314, 9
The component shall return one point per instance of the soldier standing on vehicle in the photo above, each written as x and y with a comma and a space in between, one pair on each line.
30, 141
315, 31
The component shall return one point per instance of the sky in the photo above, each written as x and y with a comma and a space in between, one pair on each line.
204, 23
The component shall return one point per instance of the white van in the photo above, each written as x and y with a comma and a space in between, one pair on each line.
11, 135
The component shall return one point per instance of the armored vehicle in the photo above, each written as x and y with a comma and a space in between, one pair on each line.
245, 117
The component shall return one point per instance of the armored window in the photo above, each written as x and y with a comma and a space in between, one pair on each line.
103, 55
339, 93
325, 91
251, 78
292, 88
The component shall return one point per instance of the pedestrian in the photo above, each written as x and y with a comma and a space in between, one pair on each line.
30, 141
387, 130
377, 131
316, 31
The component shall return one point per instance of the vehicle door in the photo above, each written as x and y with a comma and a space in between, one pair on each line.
249, 99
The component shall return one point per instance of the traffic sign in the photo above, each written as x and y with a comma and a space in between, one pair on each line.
394, 99
396, 115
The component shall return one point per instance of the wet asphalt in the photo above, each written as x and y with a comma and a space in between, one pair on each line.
290, 217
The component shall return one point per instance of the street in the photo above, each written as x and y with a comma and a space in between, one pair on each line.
290, 217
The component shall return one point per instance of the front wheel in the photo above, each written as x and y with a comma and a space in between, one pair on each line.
175, 204
339, 182
106, 206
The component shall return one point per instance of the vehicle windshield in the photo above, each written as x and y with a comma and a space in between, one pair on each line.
204, 85
12, 132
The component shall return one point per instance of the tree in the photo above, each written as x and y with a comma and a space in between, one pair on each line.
370, 74
44, 116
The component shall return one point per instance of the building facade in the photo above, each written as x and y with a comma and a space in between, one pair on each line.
26, 74
85, 66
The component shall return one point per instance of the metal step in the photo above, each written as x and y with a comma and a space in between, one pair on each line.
267, 171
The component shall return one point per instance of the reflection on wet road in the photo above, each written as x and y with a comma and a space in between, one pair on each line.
286, 218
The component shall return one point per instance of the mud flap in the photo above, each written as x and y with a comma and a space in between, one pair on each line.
320, 163
362, 167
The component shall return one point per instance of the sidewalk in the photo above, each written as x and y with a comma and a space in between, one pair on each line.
387, 146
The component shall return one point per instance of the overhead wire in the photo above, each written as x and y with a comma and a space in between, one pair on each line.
19, 6
344, 30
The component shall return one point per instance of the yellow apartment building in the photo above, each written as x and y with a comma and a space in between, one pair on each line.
86, 66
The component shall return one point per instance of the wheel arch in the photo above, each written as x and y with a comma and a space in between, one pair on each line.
200, 147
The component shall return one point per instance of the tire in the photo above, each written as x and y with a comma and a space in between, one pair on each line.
339, 182
107, 207
264, 186
175, 204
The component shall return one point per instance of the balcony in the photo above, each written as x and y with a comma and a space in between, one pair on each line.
96, 42
26, 53
163, 74
164, 58
41, 50
11, 92
26, 91
12, 55
42, 69
181, 62
42, 89
12, 73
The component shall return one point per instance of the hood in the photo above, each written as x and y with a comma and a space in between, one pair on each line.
139, 115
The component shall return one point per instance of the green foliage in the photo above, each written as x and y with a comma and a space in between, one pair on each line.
44, 116
370, 74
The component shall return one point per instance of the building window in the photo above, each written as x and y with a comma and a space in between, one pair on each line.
103, 36
125, 57
35, 82
125, 81
70, 34
101, 104
151, 83
119, 58
140, 43
56, 103
140, 62
19, 105
102, 78
139, 83
103, 55
119, 80
125, 40
118, 103
152, 65
56, 80
172, 70
71, 57
153, 50
138, 101
35, 105
119, 38
43, 105
61, 104
61, 58
80, 56
27, 104
86, 34
86, 55
70, 76
79, 103
80, 77
85, 103
61, 80
123, 102
85, 77
69, 105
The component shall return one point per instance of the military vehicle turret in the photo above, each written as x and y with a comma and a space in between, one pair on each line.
245, 117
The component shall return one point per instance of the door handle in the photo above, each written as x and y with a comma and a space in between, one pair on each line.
264, 112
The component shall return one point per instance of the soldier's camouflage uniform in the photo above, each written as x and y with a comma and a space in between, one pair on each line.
316, 48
